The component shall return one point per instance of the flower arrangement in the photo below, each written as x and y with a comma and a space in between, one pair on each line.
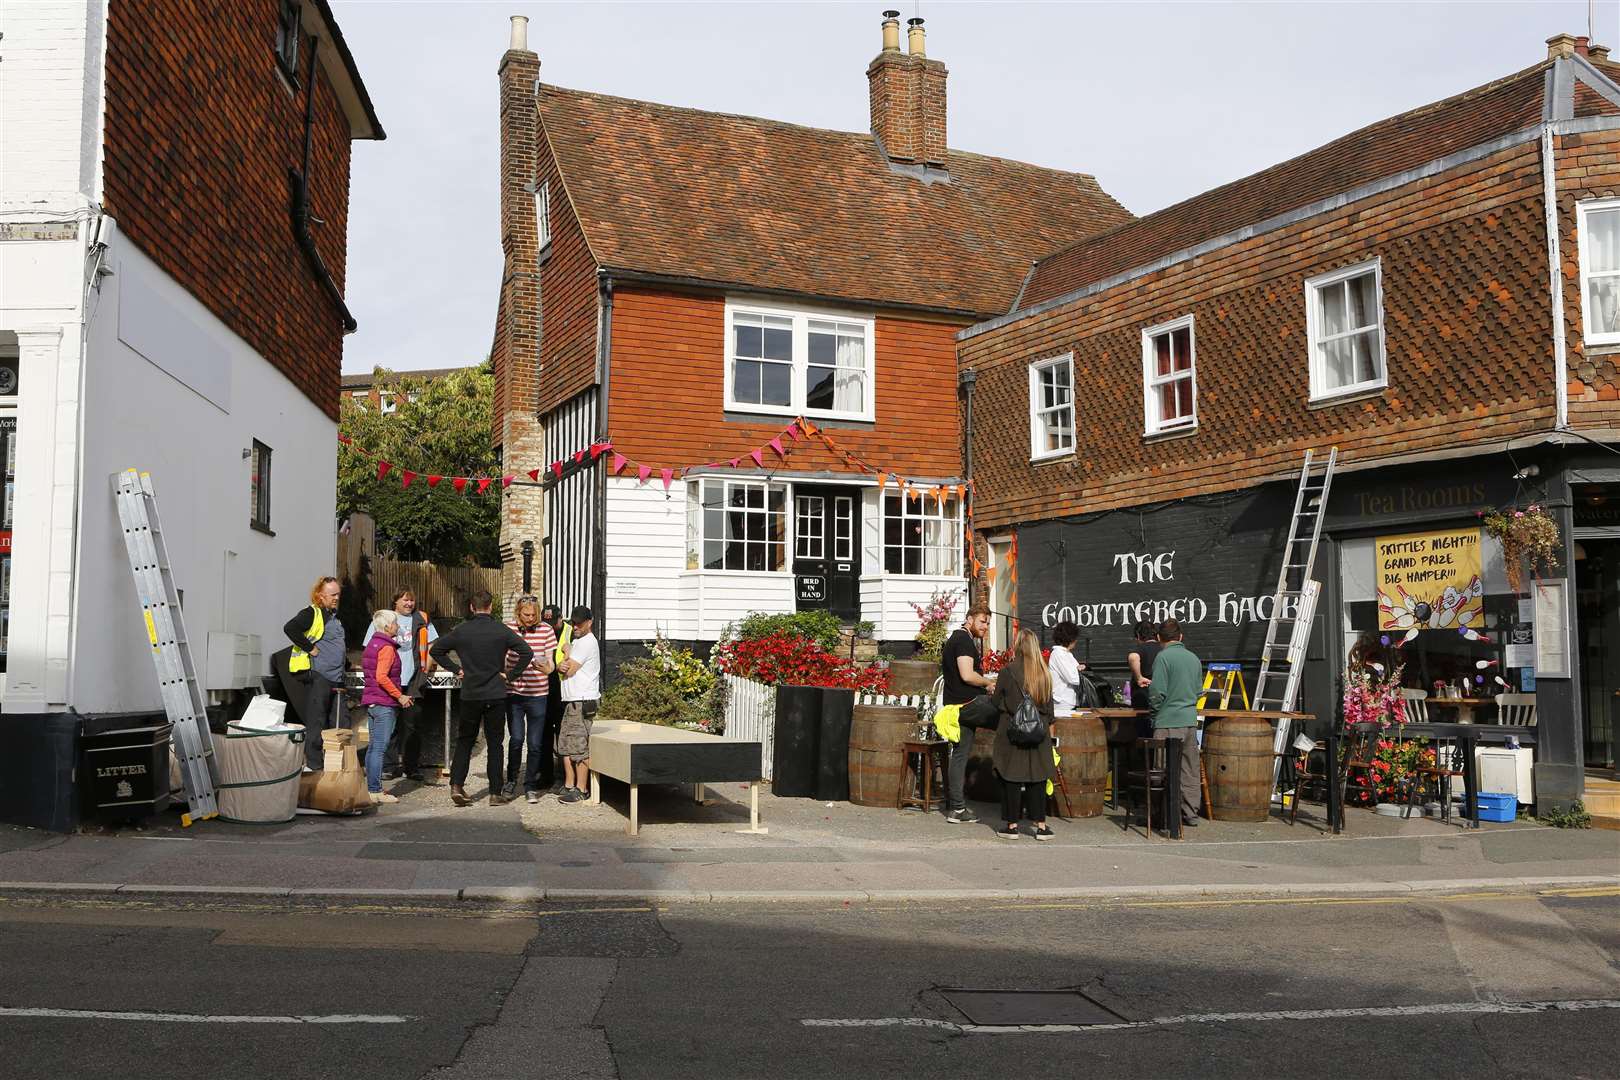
934, 619
777, 659
1527, 536
1395, 765
1371, 696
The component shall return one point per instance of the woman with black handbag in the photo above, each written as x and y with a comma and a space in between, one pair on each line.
1022, 751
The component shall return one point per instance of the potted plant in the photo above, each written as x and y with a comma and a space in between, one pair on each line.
917, 675
1528, 537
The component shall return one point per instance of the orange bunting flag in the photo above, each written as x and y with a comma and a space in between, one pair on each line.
881, 481
992, 573
459, 483
961, 491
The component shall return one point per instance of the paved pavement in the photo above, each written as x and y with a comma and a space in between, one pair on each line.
1516, 983
424, 847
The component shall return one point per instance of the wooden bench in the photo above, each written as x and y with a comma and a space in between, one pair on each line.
636, 753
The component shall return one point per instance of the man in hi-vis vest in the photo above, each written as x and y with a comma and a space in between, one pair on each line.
317, 656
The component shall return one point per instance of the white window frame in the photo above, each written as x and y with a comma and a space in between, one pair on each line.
843, 520
1582, 211
1153, 421
809, 510
542, 216
1037, 450
697, 539
387, 402
1313, 319
798, 377
924, 508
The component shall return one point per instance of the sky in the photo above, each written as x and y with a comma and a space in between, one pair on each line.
1158, 101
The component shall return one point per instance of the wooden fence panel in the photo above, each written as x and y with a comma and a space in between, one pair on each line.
440, 590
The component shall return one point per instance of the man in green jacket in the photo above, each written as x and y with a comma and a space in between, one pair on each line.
1173, 697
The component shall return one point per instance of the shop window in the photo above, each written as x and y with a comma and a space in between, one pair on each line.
542, 216
737, 525
1598, 238
287, 38
1169, 389
795, 362
1051, 408
259, 486
922, 535
1345, 321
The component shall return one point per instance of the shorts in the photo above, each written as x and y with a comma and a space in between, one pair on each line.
574, 733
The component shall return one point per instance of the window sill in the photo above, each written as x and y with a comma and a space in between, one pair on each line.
1053, 459
770, 414
1170, 434
784, 574
288, 75
545, 255
1601, 348
259, 526
1349, 397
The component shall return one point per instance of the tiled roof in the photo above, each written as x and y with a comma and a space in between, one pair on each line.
1386, 148
364, 379
751, 203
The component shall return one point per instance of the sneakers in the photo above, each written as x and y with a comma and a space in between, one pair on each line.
509, 792
1044, 832
498, 800
533, 797
571, 795
459, 796
380, 797
963, 816
1009, 832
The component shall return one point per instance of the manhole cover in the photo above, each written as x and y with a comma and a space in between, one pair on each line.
1002, 1008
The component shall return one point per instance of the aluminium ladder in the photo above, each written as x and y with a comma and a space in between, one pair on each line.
171, 651
1293, 605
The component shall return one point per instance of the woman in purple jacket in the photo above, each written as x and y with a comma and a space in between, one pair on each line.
382, 698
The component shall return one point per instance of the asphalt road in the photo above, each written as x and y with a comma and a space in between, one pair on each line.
1419, 986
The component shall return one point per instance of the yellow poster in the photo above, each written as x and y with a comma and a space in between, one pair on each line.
1430, 581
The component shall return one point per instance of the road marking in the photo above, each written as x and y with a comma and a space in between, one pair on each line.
1457, 1008
191, 1018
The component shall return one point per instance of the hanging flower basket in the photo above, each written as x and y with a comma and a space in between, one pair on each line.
1528, 537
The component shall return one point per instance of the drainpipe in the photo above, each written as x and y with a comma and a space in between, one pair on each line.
965, 381
301, 214
604, 377
1549, 195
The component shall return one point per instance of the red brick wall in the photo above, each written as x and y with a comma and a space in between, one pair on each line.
667, 391
1467, 342
1588, 168
201, 129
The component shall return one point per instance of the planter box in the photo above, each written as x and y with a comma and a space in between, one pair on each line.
810, 759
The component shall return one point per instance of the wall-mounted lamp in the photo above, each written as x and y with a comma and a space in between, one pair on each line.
1527, 472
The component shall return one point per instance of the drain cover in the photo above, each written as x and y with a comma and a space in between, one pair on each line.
1003, 1008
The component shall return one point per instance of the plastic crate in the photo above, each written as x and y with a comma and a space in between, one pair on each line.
1498, 806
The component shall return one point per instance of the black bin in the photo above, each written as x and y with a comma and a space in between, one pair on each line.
126, 771
832, 749
795, 760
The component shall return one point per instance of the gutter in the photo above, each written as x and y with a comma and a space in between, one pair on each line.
300, 207
680, 281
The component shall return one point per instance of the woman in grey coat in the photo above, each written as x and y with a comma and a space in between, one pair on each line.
1023, 770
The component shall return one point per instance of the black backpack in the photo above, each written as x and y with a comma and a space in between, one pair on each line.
1093, 692
1027, 728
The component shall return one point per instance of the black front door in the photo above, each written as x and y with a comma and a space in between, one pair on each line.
827, 550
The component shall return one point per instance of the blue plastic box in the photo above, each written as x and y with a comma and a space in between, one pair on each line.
1498, 806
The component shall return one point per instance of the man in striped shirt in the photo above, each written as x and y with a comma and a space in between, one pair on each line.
526, 718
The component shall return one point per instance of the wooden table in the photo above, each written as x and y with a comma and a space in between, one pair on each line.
1465, 706
636, 754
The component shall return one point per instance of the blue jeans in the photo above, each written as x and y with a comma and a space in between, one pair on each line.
526, 724
382, 730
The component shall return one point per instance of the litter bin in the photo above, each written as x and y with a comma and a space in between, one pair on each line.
128, 770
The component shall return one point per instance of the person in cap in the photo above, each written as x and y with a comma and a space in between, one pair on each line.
581, 671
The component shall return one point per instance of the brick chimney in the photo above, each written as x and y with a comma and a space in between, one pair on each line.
908, 96
1560, 45
1598, 52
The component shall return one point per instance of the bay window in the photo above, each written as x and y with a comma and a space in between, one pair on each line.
736, 525
921, 536
790, 362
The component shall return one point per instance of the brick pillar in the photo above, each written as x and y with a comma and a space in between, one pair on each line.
516, 347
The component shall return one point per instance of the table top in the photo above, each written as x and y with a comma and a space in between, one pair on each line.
1218, 714
1460, 701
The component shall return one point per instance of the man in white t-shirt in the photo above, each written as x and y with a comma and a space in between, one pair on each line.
1065, 669
581, 672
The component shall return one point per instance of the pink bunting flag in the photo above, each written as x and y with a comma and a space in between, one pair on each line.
556, 469
617, 465
382, 469
506, 481
460, 484
598, 449
792, 432
407, 476
776, 444
642, 472
758, 456
668, 475
735, 462
483, 484
579, 456
534, 474
433, 481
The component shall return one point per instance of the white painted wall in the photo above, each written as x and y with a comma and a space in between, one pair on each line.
50, 105
234, 578
886, 601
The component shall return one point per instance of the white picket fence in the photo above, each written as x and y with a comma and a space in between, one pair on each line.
751, 716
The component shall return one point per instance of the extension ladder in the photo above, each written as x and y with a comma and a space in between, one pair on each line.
171, 652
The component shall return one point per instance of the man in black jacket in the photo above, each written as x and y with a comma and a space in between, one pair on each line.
481, 645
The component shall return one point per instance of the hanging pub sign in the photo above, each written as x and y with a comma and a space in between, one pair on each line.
1430, 580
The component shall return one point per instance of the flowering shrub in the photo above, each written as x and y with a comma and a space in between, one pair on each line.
1526, 535
934, 618
1395, 764
997, 659
778, 659
670, 687
1371, 698
690, 677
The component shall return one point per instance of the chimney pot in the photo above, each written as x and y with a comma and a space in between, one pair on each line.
520, 34
915, 37
1597, 52
1582, 45
891, 31
1560, 45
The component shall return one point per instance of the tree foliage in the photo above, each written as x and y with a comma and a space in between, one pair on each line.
444, 430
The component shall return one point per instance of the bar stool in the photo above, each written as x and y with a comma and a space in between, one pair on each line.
930, 753
1153, 777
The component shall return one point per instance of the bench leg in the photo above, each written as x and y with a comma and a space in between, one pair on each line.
697, 794
753, 811
635, 809
596, 789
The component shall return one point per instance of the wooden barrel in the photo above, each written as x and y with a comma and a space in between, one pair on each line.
980, 783
875, 736
912, 676
1083, 747
1237, 760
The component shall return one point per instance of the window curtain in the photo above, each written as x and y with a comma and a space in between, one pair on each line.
849, 381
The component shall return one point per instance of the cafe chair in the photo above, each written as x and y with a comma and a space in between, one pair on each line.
1361, 751
1150, 779
1436, 781
1303, 771
1414, 706
1516, 709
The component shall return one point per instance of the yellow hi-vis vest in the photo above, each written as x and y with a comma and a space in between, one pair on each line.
563, 639
300, 658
